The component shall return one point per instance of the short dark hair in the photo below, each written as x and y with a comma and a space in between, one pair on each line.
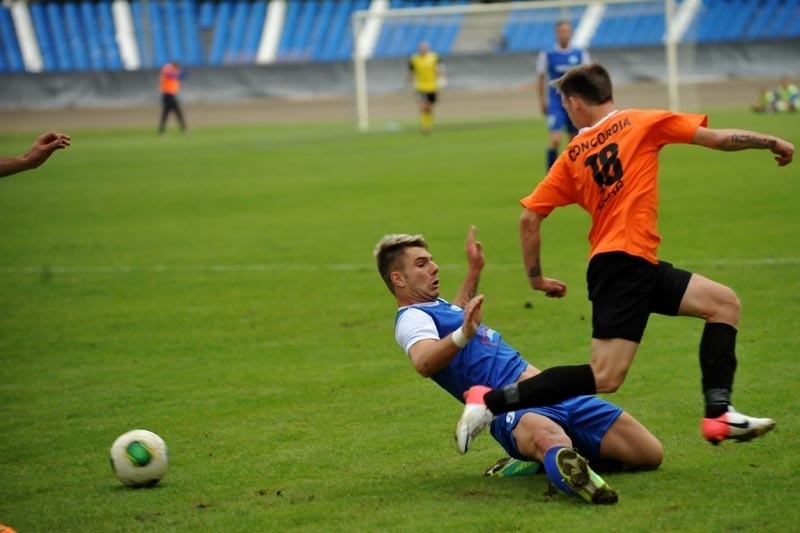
591, 83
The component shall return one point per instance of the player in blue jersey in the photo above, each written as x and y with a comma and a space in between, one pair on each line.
448, 343
551, 65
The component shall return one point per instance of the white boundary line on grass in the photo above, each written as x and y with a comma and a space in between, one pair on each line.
286, 267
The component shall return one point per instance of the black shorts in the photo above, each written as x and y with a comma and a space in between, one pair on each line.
427, 97
625, 289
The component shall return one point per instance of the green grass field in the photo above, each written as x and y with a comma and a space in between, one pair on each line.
219, 290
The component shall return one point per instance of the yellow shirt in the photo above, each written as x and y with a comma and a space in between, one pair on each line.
425, 67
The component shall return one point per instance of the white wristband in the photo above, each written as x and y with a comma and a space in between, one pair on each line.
459, 339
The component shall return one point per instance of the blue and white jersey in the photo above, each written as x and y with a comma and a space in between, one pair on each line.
555, 62
485, 360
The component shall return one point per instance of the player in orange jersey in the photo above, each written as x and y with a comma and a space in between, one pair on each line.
610, 169
170, 85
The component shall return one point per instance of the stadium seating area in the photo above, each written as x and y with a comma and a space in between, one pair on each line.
82, 35
400, 37
533, 30
732, 20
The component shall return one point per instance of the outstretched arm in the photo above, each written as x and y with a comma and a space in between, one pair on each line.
475, 262
42, 148
530, 240
429, 356
731, 140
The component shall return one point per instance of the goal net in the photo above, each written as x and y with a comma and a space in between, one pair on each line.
489, 53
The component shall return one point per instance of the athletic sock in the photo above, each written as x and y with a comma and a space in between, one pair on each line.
551, 386
551, 158
426, 118
718, 366
551, 468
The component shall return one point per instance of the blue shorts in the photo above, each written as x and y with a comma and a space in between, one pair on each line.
558, 119
585, 419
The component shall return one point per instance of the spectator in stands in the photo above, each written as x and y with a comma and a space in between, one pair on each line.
170, 85
428, 74
550, 66
42, 148
786, 96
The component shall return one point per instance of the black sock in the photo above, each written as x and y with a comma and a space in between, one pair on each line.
718, 365
551, 386
552, 155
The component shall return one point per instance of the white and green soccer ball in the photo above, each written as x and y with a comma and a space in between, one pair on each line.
139, 458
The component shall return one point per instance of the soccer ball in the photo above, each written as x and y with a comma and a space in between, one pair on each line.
139, 458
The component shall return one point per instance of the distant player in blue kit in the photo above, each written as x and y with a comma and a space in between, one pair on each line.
551, 65
448, 343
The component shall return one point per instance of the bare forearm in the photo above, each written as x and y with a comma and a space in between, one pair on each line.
531, 260
468, 289
530, 243
434, 356
733, 140
12, 165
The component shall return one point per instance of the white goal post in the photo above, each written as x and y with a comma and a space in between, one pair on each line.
482, 21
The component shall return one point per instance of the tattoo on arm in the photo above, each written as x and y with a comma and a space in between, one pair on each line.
535, 271
752, 141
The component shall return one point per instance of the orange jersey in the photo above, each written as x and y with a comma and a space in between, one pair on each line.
611, 170
170, 82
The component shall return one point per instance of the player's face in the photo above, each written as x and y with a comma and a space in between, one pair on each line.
420, 275
563, 34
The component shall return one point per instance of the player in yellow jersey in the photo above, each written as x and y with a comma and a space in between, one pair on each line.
426, 70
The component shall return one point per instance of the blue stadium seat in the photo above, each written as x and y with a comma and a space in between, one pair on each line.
108, 39
11, 56
159, 37
191, 17
289, 23
344, 49
42, 30
138, 30
94, 50
328, 47
321, 27
253, 31
792, 17
789, 16
236, 33
300, 43
644, 26
764, 26
534, 30
55, 25
205, 18
723, 20
221, 25
172, 32
75, 42
320, 30
400, 36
